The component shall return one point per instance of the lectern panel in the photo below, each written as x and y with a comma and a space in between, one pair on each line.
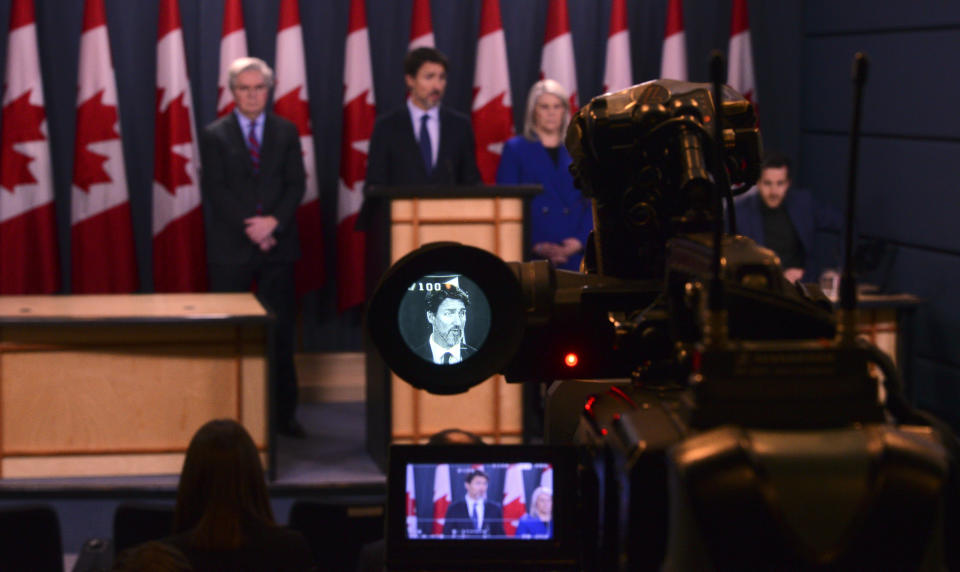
492, 409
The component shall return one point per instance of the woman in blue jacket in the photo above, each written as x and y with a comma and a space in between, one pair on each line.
560, 218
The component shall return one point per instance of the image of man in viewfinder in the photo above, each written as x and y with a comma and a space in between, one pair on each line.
447, 315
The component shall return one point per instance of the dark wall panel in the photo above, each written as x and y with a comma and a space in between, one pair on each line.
908, 190
910, 89
850, 16
933, 277
908, 169
938, 390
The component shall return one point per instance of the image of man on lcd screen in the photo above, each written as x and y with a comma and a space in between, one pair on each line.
474, 515
446, 310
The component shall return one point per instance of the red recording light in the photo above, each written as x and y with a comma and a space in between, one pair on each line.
571, 359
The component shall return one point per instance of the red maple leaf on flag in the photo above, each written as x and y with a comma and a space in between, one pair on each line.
21, 121
172, 128
493, 123
358, 118
95, 122
295, 109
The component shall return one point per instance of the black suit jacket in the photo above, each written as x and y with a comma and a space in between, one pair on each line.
457, 519
231, 191
426, 353
395, 159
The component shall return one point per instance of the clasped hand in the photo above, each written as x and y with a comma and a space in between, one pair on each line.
260, 229
558, 253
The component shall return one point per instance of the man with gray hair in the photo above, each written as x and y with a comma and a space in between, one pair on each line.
253, 181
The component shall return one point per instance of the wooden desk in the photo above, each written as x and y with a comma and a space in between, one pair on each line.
118, 384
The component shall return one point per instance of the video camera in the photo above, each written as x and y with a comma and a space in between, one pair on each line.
738, 425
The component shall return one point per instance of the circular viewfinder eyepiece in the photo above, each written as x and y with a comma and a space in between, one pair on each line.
446, 317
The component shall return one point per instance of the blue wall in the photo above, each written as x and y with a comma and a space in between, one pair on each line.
909, 172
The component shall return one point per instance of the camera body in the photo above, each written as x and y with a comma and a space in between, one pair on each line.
734, 426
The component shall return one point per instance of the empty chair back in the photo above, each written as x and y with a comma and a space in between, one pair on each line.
30, 539
136, 523
337, 532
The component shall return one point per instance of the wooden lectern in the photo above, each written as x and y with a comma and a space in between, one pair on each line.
398, 220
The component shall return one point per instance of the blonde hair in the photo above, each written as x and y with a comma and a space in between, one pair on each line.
536, 495
545, 86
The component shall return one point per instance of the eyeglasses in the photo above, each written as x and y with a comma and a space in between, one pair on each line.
259, 88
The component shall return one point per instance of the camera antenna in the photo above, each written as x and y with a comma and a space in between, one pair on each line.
848, 284
716, 77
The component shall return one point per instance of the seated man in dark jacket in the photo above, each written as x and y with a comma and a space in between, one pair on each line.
785, 220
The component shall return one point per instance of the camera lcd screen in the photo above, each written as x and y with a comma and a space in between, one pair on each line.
444, 318
479, 501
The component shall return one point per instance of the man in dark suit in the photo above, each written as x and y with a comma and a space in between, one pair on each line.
447, 316
786, 220
474, 515
423, 142
253, 181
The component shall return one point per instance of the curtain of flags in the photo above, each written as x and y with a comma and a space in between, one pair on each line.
29, 262
102, 244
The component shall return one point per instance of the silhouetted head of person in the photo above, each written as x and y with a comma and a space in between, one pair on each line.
454, 437
222, 487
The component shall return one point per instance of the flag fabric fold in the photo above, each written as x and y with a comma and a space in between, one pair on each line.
556, 60
492, 110
740, 70
102, 246
290, 100
514, 497
359, 114
179, 256
233, 45
442, 497
618, 71
411, 503
29, 262
421, 27
673, 61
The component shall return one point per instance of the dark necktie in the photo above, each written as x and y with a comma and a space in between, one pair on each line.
426, 150
446, 358
254, 146
476, 516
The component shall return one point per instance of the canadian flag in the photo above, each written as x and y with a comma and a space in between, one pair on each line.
492, 107
28, 231
673, 61
359, 113
421, 29
233, 45
514, 497
556, 61
441, 497
411, 499
102, 244
291, 101
546, 478
618, 73
179, 259
740, 71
